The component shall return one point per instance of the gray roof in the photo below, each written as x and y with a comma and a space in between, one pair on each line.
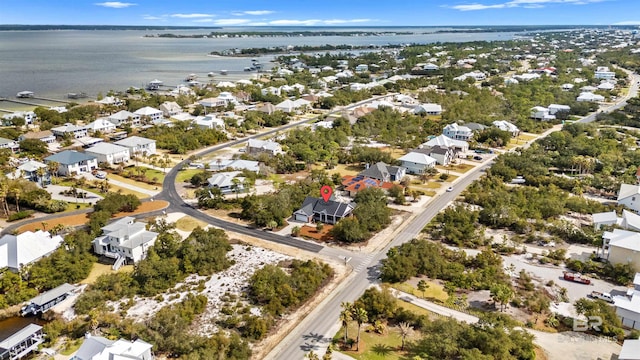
104, 148
92, 346
475, 126
312, 205
52, 294
378, 171
69, 157
4, 141
133, 141
19, 336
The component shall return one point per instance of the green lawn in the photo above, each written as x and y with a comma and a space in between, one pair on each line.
434, 292
459, 168
149, 173
186, 175
373, 346
72, 206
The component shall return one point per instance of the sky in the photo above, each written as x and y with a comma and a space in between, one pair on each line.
227, 13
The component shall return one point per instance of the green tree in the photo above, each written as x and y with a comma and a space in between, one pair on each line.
422, 287
346, 315
360, 316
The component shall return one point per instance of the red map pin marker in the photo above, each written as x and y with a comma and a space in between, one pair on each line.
326, 192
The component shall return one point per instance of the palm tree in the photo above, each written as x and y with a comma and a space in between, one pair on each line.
17, 191
361, 317
235, 186
53, 166
346, 315
405, 330
44, 225
4, 190
40, 173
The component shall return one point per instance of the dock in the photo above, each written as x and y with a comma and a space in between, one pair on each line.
22, 342
45, 301
33, 103
49, 99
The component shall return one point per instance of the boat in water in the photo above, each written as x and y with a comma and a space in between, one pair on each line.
25, 94
191, 77
154, 84
211, 74
223, 72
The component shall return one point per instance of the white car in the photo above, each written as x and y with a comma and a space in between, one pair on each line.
101, 175
450, 189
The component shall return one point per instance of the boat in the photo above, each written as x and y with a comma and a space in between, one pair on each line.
191, 77
25, 94
211, 74
79, 95
223, 72
154, 84
249, 68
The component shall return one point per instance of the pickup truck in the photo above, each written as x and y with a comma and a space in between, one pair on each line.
601, 296
576, 278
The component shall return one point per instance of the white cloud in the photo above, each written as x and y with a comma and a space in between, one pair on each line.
151, 17
115, 4
311, 22
253, 12
191, 16
345, 21
528, 4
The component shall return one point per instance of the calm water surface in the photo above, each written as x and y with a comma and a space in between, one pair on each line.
54, 63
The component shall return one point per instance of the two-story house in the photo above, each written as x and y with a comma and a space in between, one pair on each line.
138, 145
457, 132
124, 117
71, 162
108, 153
383, 172
124, 240
149, 113
72, 130
255, 147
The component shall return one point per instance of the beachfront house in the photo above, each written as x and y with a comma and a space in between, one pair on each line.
100, 348
417, 163
108, 153
629, 196
28, 116
9, 144
149, 113
227, 182
101, 125
18, 251
124, 240
71, 162
256, 147
71, 130
315, 209
124, 117
138, 145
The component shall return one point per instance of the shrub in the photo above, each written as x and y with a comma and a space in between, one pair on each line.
20, 215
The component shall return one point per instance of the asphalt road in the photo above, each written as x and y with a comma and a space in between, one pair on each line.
633, 92
317, 329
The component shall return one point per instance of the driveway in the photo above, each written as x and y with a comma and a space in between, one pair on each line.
55, 191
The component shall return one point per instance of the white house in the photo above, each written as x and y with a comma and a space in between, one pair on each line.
630, 350
255, 146
602, 72
72, 162
110, 100
102, 125
170, 108
9, 144
556, 108
99, 348
589, 97
227, 182
429, 109
46, 136
362, 68
457, 132
69, 129
124, 240
417, 163
28, 116
149, 113
567, 87
606, 86
541, 113
30, 171
238, 164
137, 145
212, 102
443, 155
109, 153
629, 196
628, 310
622, 247
290, 106
441, 140
507, 126
123, 117
209, 122
21, 250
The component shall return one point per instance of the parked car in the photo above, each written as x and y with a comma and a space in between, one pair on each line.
477, 157
450, 189
101, 175
576, 278
601, 296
